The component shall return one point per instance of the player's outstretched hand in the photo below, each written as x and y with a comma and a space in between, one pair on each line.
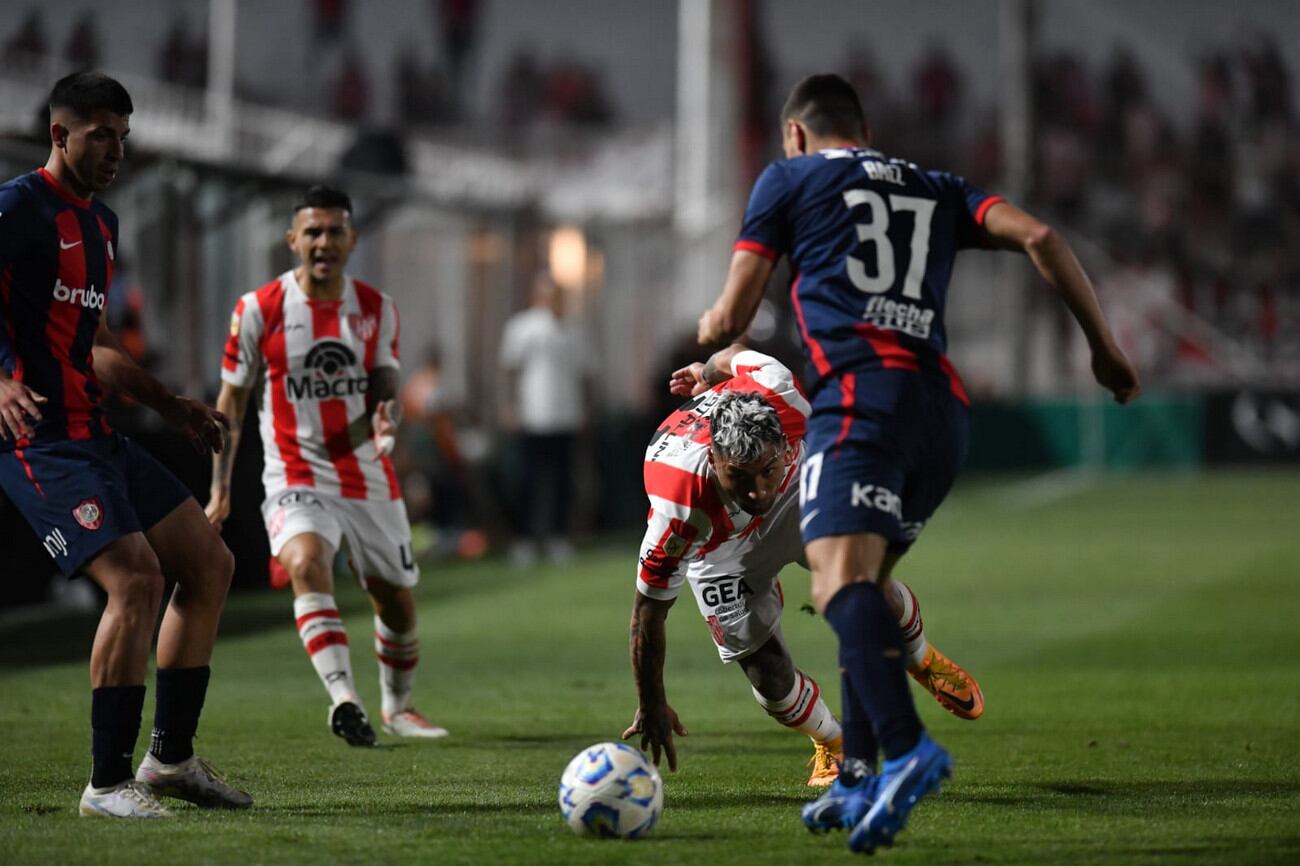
656, 728
18, 403
205, 426
688, 381
1114, 372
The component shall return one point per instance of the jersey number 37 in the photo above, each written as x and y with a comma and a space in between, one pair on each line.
875, 232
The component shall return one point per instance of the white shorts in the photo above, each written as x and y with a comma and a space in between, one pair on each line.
377, 533
743, 608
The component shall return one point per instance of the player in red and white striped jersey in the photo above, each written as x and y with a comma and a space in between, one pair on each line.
327, 346
722, 475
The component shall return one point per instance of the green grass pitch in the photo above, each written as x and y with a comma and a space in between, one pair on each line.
1136, 639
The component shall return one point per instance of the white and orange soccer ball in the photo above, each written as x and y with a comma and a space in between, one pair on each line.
611, 790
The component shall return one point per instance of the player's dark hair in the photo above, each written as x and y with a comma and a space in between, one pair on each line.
84, 93
743, 425
827, 105
324, 196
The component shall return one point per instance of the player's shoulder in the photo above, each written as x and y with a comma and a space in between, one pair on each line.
17, 194
368, 295
676, 469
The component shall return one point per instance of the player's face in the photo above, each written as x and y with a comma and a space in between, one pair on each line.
323, 238
92, 148
754, 485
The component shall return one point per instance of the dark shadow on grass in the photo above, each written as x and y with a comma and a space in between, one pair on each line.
1111, 796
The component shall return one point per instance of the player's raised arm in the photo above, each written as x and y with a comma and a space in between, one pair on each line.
1013, 229
730, 316
695, 379
205, 427
655, 720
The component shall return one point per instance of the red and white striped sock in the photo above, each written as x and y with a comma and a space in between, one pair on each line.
398, 654
914, 642
803, 709
326, 641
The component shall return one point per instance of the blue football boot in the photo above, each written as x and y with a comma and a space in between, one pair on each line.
901, 785
843, 805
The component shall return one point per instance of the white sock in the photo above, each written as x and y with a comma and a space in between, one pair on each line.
326, 641
803, 709
398, 653
914, 642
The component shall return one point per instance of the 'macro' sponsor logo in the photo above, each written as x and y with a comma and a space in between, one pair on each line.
88, 298
328, 364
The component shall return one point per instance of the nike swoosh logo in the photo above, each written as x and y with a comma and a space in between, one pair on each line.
803, 524
966, 704
67, 246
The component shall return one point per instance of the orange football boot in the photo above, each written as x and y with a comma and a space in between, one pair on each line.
825, 762
954, 689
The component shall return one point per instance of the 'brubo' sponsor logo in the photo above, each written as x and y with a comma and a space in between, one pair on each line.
88, 298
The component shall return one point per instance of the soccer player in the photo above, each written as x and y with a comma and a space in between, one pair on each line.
328, 346
722, 477
873, 241
100, 503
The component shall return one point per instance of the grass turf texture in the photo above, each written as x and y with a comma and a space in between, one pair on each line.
1136, 641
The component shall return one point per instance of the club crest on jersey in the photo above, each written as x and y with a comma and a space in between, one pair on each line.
328, 363
234, 324
89, 513
364, 327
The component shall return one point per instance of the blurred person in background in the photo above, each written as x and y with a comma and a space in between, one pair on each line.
874, 240
101, 504
328, 346
547, 372
434, 467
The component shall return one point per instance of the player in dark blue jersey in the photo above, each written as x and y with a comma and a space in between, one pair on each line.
872, 241
98, 501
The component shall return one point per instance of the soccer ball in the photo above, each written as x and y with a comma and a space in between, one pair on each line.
611, 790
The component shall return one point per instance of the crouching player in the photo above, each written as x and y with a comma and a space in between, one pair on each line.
722, 475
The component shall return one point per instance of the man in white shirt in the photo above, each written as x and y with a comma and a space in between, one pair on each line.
547, 368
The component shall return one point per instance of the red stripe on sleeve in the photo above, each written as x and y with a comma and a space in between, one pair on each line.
758, 249
284, 417
983, 209
334, 411
230, 361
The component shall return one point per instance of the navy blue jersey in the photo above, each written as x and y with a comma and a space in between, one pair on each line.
872, 241
56, 263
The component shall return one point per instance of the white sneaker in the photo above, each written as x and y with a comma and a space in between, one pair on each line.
129, 799
409, 723
193, 779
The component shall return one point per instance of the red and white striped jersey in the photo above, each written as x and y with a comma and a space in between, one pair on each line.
317, 356
693, 524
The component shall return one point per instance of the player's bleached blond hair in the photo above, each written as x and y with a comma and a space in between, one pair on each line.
743, 426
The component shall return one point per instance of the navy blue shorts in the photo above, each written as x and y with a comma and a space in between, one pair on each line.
80, 496
882, 472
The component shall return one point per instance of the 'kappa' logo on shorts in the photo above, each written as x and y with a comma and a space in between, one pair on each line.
89, 513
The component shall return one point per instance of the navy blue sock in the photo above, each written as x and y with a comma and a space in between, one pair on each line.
176, 717
114, 726
859, 737
871, 655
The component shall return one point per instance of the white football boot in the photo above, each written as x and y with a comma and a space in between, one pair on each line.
193, 779
129, 799
409, 723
